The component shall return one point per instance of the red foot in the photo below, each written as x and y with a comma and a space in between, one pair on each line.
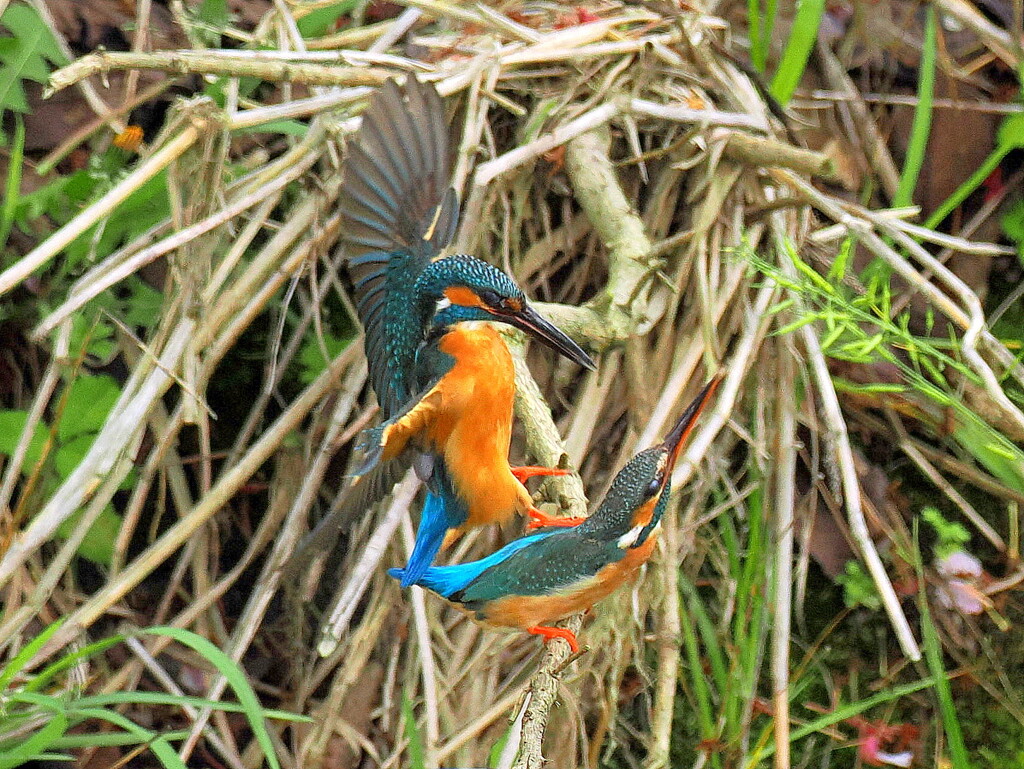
539, 520
529, 471
556, 632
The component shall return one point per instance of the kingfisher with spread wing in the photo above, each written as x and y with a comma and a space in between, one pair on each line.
557, 572
443, 376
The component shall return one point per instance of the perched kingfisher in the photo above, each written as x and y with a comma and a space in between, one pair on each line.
544, 577
443, 378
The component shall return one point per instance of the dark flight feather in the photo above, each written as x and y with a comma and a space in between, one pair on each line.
398, 213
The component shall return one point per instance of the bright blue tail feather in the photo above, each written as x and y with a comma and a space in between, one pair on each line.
446, 580
434, 522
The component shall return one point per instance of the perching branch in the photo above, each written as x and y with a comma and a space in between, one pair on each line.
614, 314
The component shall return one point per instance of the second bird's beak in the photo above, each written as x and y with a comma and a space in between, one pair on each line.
541, 329
677, 438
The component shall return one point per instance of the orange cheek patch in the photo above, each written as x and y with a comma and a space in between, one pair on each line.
645, 512
463, 296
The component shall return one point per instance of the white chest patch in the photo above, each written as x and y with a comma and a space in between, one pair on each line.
631, 537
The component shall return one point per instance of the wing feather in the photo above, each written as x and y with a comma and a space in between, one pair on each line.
398, 213
549, 566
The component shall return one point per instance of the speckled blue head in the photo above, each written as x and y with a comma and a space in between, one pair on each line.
488, 287
461, 288
638, 497
645, 480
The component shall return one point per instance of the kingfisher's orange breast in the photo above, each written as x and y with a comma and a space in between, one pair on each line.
530, 610
473, 426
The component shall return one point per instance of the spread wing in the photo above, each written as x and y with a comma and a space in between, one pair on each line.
398, 212
549, 565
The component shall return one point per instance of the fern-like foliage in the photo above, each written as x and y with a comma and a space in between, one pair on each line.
25, 54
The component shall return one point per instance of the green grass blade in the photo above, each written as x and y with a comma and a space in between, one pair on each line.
235, 678
843, 712
798, 49
158, 744
164, 698
933, 657
695, 667
412, 734
12, 194
922, 125
12, 668
37, 743
1009, 137
54, 757
990, 448
961, 193
111, 739
708, 634
70, 660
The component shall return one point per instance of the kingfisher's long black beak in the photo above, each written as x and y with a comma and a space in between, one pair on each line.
679, 435
541, 329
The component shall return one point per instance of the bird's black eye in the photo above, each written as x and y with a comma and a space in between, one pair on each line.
490, 298
655, 485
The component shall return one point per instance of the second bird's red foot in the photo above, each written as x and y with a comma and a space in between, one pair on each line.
556, 632
530, 471
539, 520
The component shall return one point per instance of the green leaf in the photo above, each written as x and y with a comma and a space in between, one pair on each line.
147, 206
96, 336
320, 21
59, 199
24, 56
952, 536
859, 588
841, 262
12, 425
235, 678
845, 385
98, 544
141, 307
71, 453
311, 355
89, 401
214, 13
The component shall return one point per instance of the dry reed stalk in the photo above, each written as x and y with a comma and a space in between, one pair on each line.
784, 521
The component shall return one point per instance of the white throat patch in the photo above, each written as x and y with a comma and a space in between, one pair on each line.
631, 537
